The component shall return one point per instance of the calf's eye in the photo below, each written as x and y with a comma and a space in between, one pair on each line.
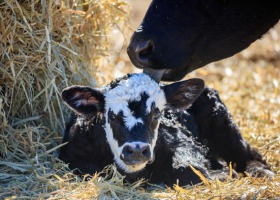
157, 114
111, 116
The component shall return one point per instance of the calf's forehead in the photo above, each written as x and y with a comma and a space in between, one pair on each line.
117, 99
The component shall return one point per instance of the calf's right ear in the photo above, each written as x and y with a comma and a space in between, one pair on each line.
182, 94
83, 100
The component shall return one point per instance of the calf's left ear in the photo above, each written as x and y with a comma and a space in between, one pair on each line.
182, 94
83, 100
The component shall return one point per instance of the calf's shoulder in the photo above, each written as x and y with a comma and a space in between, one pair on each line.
86, 143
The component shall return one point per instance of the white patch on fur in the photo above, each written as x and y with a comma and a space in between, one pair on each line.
78, 103
130, 168
130, 121
183, 157
79, 121
139, 29
154, 140
113, 143
82, 123
135, 144
129, 90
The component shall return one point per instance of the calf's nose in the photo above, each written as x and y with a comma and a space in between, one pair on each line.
136, 153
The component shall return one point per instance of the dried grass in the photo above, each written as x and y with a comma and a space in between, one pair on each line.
48, 45
45, 46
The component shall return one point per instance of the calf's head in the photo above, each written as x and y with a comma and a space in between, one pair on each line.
132, 109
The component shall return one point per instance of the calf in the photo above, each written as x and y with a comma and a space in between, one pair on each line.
198, 32
154, 132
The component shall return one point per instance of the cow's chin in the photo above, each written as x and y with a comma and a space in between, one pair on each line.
131, 166
174, 74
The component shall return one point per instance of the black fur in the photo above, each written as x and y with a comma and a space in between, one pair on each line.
183, 35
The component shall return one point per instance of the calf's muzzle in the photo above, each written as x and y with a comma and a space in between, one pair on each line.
136, 153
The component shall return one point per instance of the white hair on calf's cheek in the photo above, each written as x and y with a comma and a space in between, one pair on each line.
154, 141
116, 150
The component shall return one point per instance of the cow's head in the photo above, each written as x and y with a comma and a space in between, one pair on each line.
132, 108
182, 35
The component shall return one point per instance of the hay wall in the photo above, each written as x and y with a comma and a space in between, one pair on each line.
45, 46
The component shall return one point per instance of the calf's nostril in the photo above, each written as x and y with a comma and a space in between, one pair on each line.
146, 152
127, 153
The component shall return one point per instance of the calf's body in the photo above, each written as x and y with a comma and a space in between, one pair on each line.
198, 135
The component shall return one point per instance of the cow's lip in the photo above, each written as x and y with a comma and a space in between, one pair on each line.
155, 74
166, 74
175, 74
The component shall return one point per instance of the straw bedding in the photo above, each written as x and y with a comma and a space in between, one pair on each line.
47, 45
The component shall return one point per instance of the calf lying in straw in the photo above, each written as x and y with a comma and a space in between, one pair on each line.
154, 132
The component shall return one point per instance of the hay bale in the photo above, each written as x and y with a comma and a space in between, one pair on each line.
45, 46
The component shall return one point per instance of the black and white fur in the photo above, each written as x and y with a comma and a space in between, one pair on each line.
154, 132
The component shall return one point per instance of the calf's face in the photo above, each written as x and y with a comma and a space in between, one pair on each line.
132, 110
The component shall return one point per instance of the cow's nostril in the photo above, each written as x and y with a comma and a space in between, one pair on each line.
144, 51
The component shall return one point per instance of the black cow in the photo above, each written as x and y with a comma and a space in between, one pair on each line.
180, 36
154, 132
